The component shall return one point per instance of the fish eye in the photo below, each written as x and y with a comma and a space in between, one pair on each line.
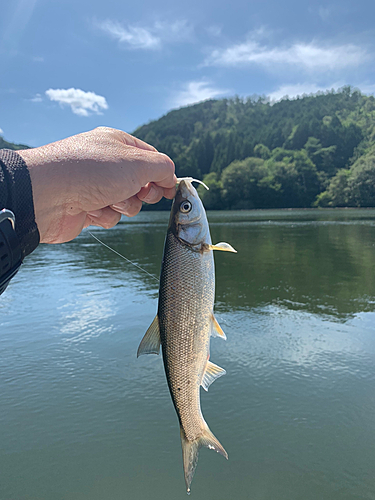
185, 207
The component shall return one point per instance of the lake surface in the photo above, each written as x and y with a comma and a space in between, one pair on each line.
82, 418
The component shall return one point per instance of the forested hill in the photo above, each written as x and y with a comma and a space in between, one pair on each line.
10, 145
316, 150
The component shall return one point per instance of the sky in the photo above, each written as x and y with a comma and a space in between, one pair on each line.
68, 66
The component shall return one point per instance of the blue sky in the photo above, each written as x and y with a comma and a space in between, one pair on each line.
71, 65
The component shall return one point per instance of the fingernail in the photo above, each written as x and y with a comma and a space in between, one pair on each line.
95, 213
121, 206
152, 194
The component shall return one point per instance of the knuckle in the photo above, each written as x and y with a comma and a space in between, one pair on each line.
111, 219
104, 130
134, 208
169, 165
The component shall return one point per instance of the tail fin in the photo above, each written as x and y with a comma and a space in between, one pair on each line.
190, 450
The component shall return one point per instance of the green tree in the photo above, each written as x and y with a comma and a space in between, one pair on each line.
323, 158
338, 193
333, 130
352, 187
362, 182
10, 145
239, 181
212, 199
297, 176
261, 151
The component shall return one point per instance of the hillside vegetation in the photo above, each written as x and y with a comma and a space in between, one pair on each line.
316, 150
10, 145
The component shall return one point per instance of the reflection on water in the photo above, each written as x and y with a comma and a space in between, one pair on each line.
82, 418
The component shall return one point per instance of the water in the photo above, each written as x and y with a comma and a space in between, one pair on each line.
82, 419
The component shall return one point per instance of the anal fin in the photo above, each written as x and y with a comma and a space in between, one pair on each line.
211, 373
150, 344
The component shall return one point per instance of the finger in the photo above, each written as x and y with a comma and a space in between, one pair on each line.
125, 138
105, 217
155, 167
95, 213
170, 193
133, 141
129, 207
151, 193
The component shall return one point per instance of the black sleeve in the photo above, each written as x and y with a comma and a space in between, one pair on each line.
16, 195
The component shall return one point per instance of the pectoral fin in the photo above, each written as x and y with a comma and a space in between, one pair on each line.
216, 330
224, 247
211, 373
150, 344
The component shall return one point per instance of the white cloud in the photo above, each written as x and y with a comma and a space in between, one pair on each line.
151, 38
196, 91
300, 89
1, 131
82, 103
135, 36
37, 98
303, 56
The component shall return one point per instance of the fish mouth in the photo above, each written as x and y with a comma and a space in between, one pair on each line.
185, 188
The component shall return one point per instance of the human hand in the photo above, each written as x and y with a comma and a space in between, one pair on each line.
93, 178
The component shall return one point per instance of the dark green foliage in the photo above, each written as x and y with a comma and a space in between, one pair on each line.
9, 145
212, 199
317, 150
323, 158
298, 179
255, 154
241, 183
354, 187
261, 151
287, 179
362, 182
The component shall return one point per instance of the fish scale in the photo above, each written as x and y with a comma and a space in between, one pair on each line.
185, 321
186, 335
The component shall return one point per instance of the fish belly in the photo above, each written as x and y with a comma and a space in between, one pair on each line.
186, 300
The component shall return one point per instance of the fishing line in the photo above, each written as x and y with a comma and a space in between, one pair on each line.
190, 179
127, 260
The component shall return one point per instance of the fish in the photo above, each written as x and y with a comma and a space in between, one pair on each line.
185, 321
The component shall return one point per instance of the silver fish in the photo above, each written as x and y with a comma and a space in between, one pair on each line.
185, 321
